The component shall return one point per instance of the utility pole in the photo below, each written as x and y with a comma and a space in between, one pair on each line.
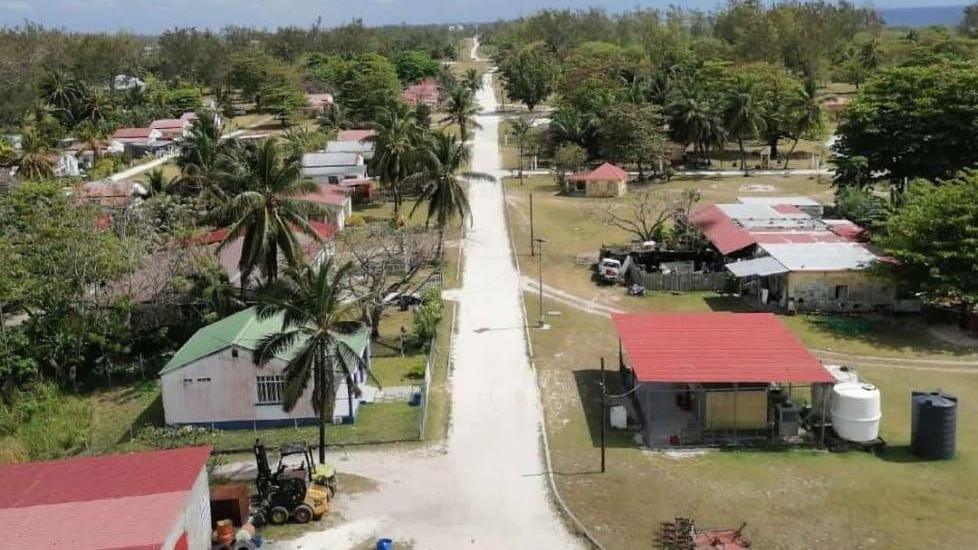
541, 242
532, 253
604, 419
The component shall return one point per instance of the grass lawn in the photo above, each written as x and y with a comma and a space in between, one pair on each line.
797, 499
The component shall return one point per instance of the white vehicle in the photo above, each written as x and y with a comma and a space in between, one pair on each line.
609, 270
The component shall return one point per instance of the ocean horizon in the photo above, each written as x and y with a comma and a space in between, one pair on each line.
922, 16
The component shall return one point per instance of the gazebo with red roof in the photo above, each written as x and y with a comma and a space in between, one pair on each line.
606, 180
697, 378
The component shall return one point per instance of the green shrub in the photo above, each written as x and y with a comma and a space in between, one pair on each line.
428, 315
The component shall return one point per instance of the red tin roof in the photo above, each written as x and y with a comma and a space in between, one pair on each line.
715, 347
107, 502
725, 234
605, 172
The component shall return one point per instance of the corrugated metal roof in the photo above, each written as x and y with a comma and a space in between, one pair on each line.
760, 267
773, 201
349, 146
831, 256
310, 160
244, 329
723, 232
715, 347
109, 502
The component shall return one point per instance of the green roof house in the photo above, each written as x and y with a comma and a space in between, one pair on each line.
212, 380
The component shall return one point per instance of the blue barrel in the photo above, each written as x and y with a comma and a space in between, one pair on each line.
385, 544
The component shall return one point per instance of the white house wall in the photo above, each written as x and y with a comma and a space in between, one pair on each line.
195, 518
230, 397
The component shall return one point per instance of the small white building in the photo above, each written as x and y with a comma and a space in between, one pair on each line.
336, 200
333, 167
213, 381
363, 148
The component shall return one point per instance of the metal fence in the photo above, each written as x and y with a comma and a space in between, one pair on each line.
677, 282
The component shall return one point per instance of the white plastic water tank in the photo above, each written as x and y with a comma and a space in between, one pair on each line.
856, 411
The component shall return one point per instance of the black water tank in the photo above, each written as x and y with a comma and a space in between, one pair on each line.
934, 418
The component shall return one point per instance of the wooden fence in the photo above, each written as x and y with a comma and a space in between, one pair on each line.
677, 282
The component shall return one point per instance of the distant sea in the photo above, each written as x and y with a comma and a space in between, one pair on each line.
923, 16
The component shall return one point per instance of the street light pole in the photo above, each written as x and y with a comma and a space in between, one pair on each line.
541, 242
532, 239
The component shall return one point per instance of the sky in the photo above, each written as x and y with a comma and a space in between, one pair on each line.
153, 16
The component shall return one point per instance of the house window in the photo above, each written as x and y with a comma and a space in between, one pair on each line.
270, 389
842, 292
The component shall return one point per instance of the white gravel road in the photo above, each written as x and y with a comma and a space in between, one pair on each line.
487, 488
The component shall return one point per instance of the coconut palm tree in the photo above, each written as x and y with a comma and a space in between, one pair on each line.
472, 80
442, 193
805, 116
201, 153
397, 138
265, 209
693, 120
63, 93
315, 315
461, 109
33, 162
158, 184
520, 128
743, 116
570, 126
334, 118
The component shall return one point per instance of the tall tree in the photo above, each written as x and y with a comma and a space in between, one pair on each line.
519, 129
461, 109
932, 237
633, 134
528, 75
442, 192
913, 122
743, 114
316, 313
397, 138
33, 162
267, 212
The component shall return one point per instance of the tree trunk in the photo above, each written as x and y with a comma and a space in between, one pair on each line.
790, 152
521, 162
321, 375
773, 143
441, 243
743, 156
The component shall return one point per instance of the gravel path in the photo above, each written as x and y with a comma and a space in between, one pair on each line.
487, 488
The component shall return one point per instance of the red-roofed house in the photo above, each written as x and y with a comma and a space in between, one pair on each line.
424, 92
141, 501
701, 378
136, 135
606, 180
172, 128
336, 199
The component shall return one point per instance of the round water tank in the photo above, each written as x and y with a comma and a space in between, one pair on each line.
933, 424
856, 411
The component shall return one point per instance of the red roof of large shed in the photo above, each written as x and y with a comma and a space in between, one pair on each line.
129, 501
715, 347
723, 232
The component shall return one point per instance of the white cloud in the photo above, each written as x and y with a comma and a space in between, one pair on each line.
19, 6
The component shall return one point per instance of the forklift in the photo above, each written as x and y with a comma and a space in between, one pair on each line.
300, 492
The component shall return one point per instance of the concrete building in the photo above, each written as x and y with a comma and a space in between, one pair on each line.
711, 378
141, 501
423, 93
363, 148
213, 381
337, 200
786, 255
333, 167
606, 180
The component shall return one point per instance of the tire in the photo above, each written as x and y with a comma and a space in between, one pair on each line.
278, 515
302, 514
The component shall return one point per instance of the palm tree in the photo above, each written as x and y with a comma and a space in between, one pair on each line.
62, 92
461, 109
520, 128
472, 80
201, 154
93, 136
32, 162
158, 184
692, 120
8, 154
742, 115
265, 210
315, 315
441, 190
806, 115
570, 126
397, 138
334, 118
